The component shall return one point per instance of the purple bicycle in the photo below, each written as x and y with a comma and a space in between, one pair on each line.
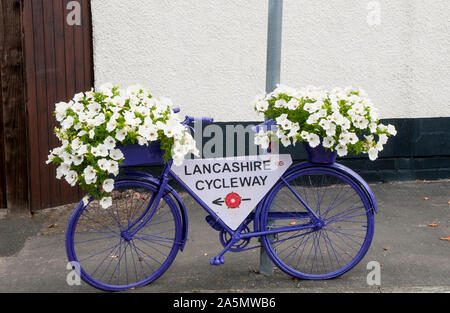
316, 222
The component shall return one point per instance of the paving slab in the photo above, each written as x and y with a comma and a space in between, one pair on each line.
411, 253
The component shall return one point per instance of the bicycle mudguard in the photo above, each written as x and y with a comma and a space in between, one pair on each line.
355, 176
169, 190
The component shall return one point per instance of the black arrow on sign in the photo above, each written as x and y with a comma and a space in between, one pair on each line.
218, 202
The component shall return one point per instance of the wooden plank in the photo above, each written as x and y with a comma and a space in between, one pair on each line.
79, 70
30, 75
88, 49
2, 151
41, 99
66, 191
50, 68
60, 65
14, 109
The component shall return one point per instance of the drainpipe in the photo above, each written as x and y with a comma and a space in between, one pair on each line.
274, 35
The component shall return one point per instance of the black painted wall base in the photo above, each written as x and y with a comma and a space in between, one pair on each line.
420, 151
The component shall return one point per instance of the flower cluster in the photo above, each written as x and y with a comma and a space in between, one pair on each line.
343, 120
94, 125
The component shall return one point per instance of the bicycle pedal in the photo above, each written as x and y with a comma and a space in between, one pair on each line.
216, 261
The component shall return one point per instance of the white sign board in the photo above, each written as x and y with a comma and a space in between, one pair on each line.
233, 187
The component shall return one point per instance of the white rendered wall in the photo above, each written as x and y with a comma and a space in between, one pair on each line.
209, 56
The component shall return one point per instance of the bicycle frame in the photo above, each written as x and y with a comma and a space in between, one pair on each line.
236, 235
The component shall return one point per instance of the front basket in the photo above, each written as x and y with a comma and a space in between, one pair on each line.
136, 155
319, 155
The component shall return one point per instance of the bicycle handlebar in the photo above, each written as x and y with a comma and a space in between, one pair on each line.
191, 119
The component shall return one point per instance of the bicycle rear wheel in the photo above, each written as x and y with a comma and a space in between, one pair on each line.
328, 250
109, 258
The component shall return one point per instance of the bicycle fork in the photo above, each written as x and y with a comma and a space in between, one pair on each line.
153, 204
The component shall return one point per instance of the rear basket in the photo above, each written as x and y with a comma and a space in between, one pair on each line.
136, 155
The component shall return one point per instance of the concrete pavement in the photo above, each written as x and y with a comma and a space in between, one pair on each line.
412, 255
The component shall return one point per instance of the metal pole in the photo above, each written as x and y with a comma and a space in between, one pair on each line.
274, 35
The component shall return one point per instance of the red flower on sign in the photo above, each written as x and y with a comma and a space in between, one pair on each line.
233, 200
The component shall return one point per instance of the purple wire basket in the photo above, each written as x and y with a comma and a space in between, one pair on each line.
319, 155
136, 155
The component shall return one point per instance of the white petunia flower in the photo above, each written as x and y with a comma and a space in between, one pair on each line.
352, 138
90, 175
78, 108
61, 108
262, 105
113, 168
262, 139
82, 150
78, 159
328, 142
313, 140
86, 200
62, 170
67, 123
341, 150
294, 104
332, 130
102, 150
379, 146
312, 119
108, 185
391, 130
121, 134
99, 119
103, 164
324, 124
178, 159
343, 139
72, 178
285, 141
94, 108
142, 141
76, 144
110, 143
304, 135
106, 202
383, 139
373, 154
111, 126
279, 104
116, 154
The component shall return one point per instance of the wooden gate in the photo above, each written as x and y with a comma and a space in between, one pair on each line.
57, 63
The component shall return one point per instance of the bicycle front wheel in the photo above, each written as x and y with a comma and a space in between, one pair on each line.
100, 240
326, 251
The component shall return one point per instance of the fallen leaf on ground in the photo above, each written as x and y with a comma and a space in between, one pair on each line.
446, 238
426, 198
433, 225
52, 226
385, 249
